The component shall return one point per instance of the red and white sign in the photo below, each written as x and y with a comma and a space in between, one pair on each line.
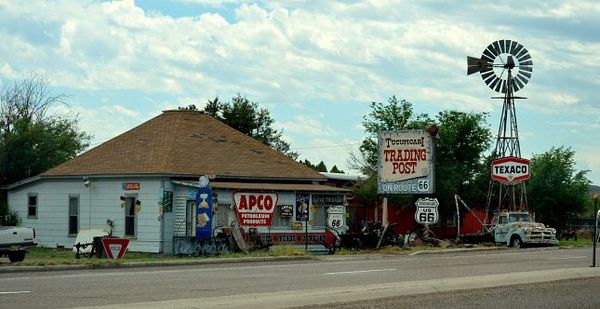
131, 186
255, 209
510, 170
115, 247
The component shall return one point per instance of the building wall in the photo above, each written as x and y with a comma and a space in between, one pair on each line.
97, 203
225, 211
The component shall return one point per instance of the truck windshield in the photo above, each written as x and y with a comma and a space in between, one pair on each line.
519, 218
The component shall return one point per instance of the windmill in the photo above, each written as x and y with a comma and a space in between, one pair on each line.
505, 66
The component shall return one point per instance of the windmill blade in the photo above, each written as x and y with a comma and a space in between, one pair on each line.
525, 63
517, 50
512, 47
502, 44
498, 86
517, 84
507, 47
504, 86
526, 68
525, 57
526, 74
522, 79
522, 53
494, 82
497, 47
487, 74
495, 52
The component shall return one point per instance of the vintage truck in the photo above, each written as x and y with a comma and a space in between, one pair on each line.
518, 229
14, 242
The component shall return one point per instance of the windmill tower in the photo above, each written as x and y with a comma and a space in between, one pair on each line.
505, 66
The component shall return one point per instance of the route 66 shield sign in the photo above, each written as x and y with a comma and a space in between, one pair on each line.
427, 211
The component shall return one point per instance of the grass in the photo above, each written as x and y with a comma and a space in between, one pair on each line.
49, 256
580, 242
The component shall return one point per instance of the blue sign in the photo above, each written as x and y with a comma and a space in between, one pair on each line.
203, 213
302, 205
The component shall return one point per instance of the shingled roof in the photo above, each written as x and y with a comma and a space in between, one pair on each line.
185, 143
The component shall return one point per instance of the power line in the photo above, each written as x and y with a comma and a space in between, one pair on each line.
327, 146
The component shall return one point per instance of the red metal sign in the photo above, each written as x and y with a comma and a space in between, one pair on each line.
115, 247
255, 209
131, 186
510, 170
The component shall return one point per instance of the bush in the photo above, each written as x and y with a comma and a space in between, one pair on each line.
8, 217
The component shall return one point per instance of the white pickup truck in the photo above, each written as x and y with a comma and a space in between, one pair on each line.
15, 240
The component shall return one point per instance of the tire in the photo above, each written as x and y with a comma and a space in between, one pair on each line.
16, 256
517, 242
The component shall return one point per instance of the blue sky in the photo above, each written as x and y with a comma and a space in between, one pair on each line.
315, 65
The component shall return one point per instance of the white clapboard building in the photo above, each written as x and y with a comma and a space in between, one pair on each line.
144, 181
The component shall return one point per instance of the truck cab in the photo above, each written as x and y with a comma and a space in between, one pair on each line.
518, 228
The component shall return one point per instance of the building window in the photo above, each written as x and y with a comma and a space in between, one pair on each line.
190, 218
73, 214
320, 216
130, 217
32, 203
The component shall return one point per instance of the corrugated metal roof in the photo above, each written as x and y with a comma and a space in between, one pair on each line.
267, 186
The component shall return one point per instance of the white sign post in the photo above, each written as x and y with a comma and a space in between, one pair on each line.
427, 211
335, 217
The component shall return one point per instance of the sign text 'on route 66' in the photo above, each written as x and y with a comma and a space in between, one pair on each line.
427, 211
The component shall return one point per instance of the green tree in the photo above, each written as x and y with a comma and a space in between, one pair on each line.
556, 190
246, 117
462, 140
32, 139
321, 167
335, 169
393, 115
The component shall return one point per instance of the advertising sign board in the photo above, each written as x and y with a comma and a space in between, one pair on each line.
427, 211
510, 170
131, 186
255, 209
406, 163
204, 213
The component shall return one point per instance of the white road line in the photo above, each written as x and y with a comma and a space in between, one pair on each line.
14, 292
568, 258
359, 271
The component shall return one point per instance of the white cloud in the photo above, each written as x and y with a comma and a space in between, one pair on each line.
307, 126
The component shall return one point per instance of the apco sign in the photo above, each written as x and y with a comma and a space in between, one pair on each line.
405, 162
510, 170
255, 209
427, 211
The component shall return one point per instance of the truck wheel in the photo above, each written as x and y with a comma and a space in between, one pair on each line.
516, 242
16, 256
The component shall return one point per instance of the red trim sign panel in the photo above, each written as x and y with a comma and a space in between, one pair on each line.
510, 170
255, 209
131, 186
115, 247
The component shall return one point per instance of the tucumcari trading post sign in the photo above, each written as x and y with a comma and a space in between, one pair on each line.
406, 163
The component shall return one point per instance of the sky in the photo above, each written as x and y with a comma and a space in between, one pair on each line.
315, 65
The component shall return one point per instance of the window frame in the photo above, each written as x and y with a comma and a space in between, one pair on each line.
133, 206
30, 206
78, 214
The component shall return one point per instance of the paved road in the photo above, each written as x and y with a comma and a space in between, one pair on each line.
574, 293
275, 283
